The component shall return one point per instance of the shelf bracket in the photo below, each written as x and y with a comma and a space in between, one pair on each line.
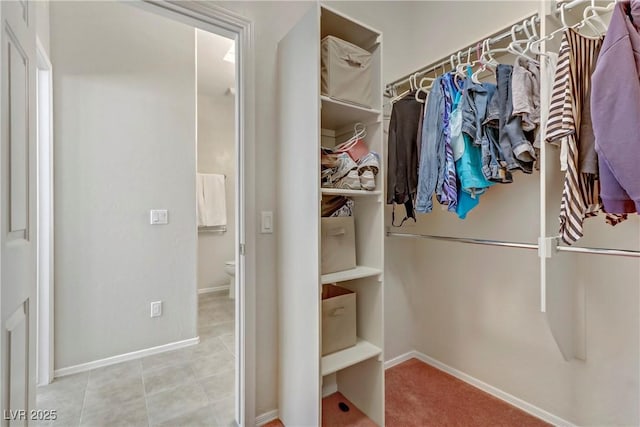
547, 247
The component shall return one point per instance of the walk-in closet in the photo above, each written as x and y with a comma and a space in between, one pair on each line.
458, 199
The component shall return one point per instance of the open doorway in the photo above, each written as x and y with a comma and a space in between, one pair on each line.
126, 223
216, 178
44, 215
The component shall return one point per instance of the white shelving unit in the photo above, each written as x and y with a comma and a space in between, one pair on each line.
360, 272
337, 114
334, 362
349, 193
304, 115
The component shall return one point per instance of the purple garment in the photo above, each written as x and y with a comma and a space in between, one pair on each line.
615, 110
449, 194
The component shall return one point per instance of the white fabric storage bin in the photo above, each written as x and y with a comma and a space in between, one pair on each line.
338, 240
345, 71
338, 319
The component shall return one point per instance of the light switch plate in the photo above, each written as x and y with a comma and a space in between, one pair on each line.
266, 225
158, 216
156, 309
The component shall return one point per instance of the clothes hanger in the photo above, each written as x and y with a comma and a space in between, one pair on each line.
493, 63
586, 20
532, 37
535, 43
423, 87
515, 47
485, 65
591, 12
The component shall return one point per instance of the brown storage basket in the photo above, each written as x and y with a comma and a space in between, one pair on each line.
338, 319
338, 244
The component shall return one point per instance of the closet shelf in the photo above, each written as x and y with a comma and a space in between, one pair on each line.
338, 115
350, 193
355, 273
360, 352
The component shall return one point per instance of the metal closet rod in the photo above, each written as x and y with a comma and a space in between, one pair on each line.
496, 38
467, 240
575, 249
600, 251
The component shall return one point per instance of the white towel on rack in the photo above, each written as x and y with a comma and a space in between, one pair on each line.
211, 197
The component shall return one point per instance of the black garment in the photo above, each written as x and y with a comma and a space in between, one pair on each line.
402, 174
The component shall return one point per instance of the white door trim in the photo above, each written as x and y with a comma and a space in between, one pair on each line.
210, 17
45, 313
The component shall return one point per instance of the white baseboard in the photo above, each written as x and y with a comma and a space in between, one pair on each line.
83, 367
266, 417
502, 395
399, 359
329, 389
223, 288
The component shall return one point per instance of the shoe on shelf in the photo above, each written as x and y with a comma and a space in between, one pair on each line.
368, 167
340, 165
368, 180
325, 178
351, 181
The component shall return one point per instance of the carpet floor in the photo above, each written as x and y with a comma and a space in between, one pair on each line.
419, 395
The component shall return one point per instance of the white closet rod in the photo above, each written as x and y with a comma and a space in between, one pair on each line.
576, 249
569, 5
495, 38
467, 240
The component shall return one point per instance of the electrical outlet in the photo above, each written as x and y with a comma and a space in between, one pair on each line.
156, 309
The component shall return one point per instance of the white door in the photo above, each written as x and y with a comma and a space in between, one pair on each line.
17, 209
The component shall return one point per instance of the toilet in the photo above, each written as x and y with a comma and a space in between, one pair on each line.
230, 269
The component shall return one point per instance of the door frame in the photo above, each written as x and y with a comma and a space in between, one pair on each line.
215, 19
45, 215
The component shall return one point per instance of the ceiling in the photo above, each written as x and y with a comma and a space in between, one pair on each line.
215, 75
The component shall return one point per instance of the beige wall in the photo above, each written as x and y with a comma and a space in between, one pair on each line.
124, 86
216, 150
488, 323
476, 308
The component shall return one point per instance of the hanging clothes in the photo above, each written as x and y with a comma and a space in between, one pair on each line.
466, 132
615, 103
580, 198
448, 195
432, 151
525, 88
402, 175
517, 151
494, 165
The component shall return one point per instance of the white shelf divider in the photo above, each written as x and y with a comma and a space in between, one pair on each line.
337, 114
350, 193
342, 359
359, 272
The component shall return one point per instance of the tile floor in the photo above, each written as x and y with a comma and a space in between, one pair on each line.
188, 387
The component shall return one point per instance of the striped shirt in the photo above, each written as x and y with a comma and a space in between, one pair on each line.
580, 195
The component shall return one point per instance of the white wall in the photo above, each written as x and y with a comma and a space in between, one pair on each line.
480, 312
124, 85
42, 23
489, 327
272, 21
216, 150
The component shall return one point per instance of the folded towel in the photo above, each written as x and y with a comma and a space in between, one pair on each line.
211, 197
